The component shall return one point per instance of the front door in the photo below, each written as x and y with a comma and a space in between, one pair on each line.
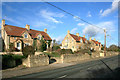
18, 46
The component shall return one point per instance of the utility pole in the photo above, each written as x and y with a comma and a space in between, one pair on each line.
105, 43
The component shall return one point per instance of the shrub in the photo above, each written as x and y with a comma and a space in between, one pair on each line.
11, 60
28, 50
43, 45
83, 51
65, 51
54, 48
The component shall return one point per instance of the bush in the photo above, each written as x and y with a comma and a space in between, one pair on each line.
54, 48
28, 50
43, 45
83, 51
11, 60
12, 48
65, 51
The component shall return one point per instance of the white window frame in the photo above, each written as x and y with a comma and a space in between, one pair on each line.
39, 37
25, 35
14, 38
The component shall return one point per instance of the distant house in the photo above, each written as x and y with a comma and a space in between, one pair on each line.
21, 37
96, 45
76, 42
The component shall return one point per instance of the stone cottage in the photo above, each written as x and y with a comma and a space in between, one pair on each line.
21, 37
76, 42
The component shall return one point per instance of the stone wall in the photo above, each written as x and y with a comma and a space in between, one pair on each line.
79, 57
75, 57
34, 61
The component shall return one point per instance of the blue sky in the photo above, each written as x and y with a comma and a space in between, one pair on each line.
40, 15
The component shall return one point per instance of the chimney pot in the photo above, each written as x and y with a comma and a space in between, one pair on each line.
84, 36
45, 30
68, 31
94, 39
27, 27
77, 34
3, 22
90, 39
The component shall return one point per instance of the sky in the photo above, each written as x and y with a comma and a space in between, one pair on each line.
40, 15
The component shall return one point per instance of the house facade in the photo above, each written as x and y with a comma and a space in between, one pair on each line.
21, 37
76, 42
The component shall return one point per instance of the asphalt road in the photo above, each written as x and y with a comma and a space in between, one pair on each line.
103, 68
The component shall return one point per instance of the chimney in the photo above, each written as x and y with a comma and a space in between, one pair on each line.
3, 22
94, 39
27, 27
77, 34
90, 39
45, 30
84, 36
98, 40
68, 32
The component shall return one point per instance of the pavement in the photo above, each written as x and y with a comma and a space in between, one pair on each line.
68, 70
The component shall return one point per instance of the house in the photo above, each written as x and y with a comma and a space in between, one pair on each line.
76, 42
21, 37
96, 45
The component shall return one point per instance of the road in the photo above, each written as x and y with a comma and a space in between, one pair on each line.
103, 68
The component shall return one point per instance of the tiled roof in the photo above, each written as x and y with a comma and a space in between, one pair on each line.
35, 33
13, 30
75, 37
17, 31
96, 42
78, 38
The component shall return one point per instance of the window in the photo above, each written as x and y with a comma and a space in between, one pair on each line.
26, 44
26, 36
18, 44
72, 40
72, 46
14, 38
81, 40
39, 37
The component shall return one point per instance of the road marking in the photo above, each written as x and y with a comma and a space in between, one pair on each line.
62, 76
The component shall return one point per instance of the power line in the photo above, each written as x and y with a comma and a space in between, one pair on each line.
73, 15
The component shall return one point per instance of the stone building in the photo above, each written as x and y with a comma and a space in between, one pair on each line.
76, 42
21, 37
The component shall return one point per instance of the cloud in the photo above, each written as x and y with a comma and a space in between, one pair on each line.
89, 14
50, 16
11, 20
74, 30
59, 38
113, 7
80, 24
76, 18
92, 31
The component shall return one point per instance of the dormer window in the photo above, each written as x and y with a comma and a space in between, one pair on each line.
39, 37
26, 36
81, 40
14, 38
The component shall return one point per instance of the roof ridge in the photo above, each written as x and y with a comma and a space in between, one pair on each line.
15, 26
